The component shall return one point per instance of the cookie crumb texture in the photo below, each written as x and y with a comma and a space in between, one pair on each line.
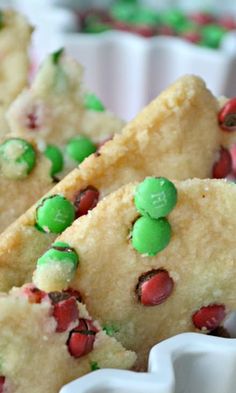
176, 136
15, 60
53, 110
35, 354
19, 189
193, 275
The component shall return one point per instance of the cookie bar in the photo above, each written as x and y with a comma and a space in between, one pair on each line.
15, 34
155, 259
47, 340
14, 54
178, 136
24, 177
56, 108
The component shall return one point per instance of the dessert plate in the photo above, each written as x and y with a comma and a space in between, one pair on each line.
186, 363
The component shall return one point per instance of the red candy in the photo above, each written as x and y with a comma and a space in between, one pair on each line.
2, 382
82, 338
86, 200
209, 317
227, 116
65, 312
73, 293
34, 294
192, 36
166, 30
32, 121
228, 22
154, 287
223, 166
202, 18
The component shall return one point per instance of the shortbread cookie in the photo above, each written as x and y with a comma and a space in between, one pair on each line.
15, 34
155, 259
56, 108
24, 177
177, 136
47, 340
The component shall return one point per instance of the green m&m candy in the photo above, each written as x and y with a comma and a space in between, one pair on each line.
56, 267
54, 154
145, 16
80, 147
212, 35
17, 158
54, 214
155, 197
59, 252
174, 18
92, 102
150, 236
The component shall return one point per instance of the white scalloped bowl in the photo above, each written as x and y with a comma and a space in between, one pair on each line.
125, 70
128, 71
186, 363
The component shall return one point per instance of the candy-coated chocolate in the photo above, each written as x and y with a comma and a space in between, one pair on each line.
93, 103
150, 236
227, 115
202, 28
154, 287
62, 259
81, 339
223, 166
202, 18
60, 252
74, 293
33, 294
55, 213
174, 18
2, 383
212, 35
54, 154
17, 158
65, 312
94, 366
155, 197
145, 16
209, 317
80, 147
85, 200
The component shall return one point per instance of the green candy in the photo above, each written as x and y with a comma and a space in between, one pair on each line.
92, 102
60, 252
150, 236
155, 197
174, 18
94, 25
94, 366
56, 56
145, 16
54, 154
17, 158
1, 20
123, 11
80, 147
110, 330
55, 213
212, 35
96, 28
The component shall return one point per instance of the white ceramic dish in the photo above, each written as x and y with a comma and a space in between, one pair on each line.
125, 70
186, 363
